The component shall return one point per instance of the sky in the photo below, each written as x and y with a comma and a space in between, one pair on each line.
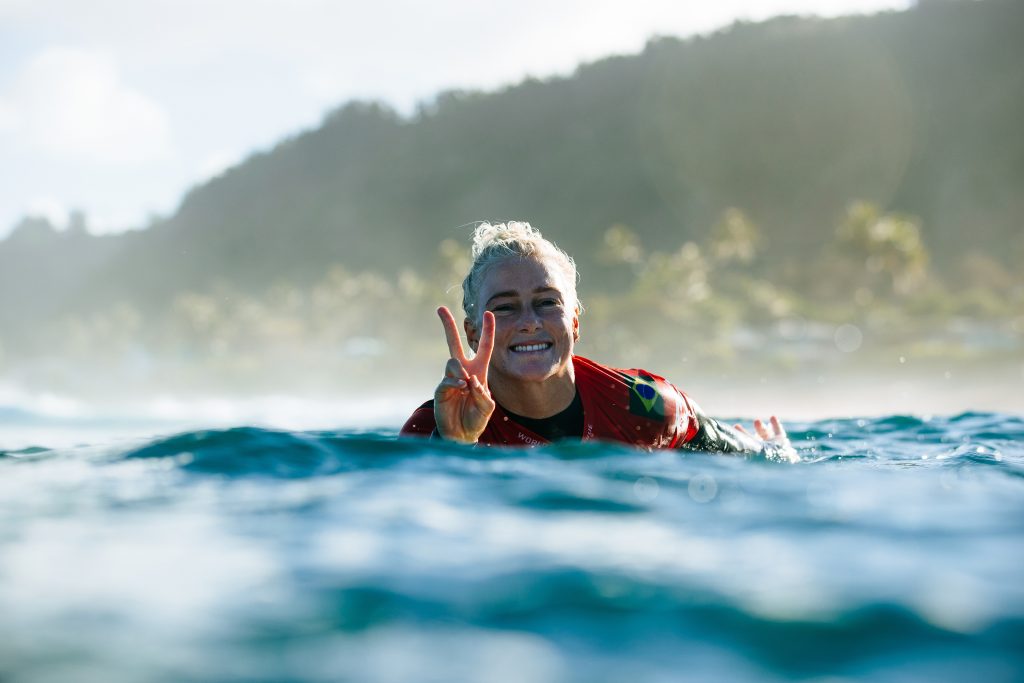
117, 107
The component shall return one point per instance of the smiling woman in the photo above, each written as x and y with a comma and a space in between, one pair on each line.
525, 386
532, 297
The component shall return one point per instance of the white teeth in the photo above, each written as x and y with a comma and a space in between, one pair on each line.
522, 348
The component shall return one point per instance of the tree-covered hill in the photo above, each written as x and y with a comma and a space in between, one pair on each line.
790, 120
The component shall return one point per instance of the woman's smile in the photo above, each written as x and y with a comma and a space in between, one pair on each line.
531, 348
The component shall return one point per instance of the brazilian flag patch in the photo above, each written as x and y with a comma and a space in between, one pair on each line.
645, 399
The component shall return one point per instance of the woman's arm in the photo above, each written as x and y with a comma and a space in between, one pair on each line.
713, 436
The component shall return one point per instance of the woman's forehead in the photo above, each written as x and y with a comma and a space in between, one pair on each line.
516, 273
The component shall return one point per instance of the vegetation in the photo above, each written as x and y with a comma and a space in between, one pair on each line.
701, 307
733, 197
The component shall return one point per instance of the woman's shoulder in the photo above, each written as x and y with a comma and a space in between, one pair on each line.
627, 376
645, 389
639, 399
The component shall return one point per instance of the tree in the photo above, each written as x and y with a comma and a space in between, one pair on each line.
885, 250
735, 239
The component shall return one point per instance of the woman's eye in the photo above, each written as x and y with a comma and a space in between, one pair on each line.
502, 308
547, 303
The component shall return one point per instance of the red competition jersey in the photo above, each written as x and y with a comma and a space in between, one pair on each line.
625, 406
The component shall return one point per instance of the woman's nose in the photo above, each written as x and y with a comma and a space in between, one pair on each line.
529, 320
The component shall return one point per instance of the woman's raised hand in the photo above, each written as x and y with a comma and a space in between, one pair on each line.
776, 433
775, 439
462, 401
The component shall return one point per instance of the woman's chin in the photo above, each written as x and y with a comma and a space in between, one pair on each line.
534, 370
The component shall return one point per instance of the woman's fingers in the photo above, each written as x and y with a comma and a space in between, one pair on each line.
455, 377
482, 397
462, 405
485, 348
449, 384
462, 402
777, 431
480, 388
451, 333
455, 369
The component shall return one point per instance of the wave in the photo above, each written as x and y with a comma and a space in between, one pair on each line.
249, 450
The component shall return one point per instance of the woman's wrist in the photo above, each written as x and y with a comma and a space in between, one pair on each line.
436, 434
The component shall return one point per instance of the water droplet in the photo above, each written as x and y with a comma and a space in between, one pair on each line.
646, 489
848, 338
703, 488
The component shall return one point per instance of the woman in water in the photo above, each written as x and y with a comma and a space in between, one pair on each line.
525, 386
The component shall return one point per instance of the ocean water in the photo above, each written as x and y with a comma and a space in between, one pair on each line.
893, 552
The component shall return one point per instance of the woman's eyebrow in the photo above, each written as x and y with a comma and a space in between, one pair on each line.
499, 295
511, 293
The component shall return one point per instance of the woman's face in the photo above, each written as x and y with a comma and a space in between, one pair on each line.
535, 318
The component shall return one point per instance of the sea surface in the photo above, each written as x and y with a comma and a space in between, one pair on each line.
893, 552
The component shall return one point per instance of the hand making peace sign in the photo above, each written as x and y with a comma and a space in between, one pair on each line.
462, 401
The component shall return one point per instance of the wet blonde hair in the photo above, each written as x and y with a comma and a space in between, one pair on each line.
494, 242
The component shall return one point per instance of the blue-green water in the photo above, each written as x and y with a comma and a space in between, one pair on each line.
893, 552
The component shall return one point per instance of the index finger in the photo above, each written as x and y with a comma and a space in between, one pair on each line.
451, 333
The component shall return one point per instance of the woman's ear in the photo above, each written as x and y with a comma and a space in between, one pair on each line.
576, 326
472, 334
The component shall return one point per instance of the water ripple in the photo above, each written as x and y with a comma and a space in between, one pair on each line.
891, 552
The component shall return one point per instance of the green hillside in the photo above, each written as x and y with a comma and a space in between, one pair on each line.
790, 121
